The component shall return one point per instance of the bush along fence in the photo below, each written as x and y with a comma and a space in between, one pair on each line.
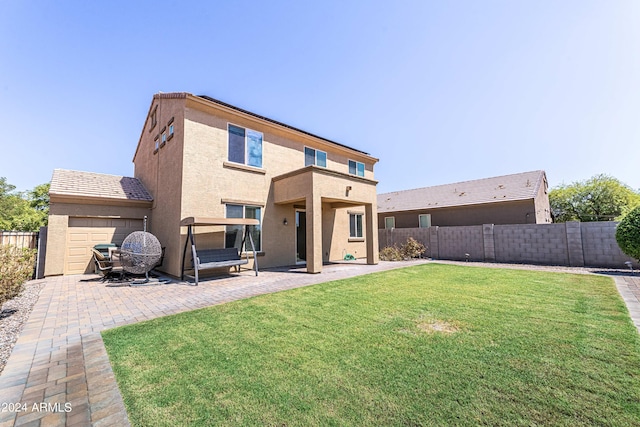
28, 240
16, 266
575, 244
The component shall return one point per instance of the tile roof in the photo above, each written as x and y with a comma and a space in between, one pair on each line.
520, 186
217, 101
89, 184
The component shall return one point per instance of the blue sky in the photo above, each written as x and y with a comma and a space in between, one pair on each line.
439, 91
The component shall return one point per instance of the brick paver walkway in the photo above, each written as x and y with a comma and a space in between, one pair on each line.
60, 364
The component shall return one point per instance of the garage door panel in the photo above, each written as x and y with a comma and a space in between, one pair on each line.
84, 233
77, 251
103, 236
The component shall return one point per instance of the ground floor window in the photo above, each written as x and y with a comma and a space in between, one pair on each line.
355, 225
424, 220
233, 233
390, 222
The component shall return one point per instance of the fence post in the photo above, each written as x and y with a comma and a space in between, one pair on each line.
488, 242
433, 240
574, 244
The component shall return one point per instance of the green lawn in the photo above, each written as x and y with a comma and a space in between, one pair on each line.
427, 345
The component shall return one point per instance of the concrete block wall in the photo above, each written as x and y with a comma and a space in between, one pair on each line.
531, 244
599, 245
588, 244
456, 242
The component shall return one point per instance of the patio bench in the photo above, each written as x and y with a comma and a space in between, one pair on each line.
217, 258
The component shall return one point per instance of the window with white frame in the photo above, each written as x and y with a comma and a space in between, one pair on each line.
424, 220
314, 157
170, 124
245, 146
356, 168
234, 233
355, 225
389, 222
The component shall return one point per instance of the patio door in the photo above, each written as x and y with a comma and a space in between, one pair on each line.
301, 237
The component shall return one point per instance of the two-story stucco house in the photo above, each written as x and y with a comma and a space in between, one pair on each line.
315, 199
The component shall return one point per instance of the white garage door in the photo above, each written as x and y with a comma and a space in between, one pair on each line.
84, 233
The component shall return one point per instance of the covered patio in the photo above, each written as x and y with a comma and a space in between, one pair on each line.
313, 188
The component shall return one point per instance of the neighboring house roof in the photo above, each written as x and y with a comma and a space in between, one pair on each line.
216, 101
96, 185
520, 186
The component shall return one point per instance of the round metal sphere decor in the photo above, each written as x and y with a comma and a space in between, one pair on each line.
141, 251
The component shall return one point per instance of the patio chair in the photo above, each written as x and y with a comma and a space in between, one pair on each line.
108, 268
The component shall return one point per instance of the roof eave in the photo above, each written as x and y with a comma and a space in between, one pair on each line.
96, 200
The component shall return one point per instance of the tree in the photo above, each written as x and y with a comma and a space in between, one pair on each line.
628, 234
599, 198
23, 211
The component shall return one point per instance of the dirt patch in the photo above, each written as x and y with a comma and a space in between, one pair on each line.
437, 326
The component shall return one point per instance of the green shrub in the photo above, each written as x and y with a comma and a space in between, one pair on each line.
411, 249
16, 266
628, 234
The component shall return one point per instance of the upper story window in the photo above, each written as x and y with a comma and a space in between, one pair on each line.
170, 124
315, 157
245, 146
154, 118
356, 168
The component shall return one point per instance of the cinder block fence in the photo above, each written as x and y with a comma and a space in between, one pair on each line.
575, 244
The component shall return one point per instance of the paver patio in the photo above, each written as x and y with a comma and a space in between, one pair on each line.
60, 364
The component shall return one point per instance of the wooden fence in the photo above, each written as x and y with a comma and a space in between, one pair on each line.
21, 239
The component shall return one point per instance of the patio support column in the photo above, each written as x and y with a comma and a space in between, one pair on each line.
371, 218
314, 232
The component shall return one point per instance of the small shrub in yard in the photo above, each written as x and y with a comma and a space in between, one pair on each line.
628, 234
411, 249
16, 266
390, 253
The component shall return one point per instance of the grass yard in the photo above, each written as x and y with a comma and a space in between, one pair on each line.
427, 345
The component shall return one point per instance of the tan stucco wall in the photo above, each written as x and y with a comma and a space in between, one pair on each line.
202, 180
161, 173
59, 214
